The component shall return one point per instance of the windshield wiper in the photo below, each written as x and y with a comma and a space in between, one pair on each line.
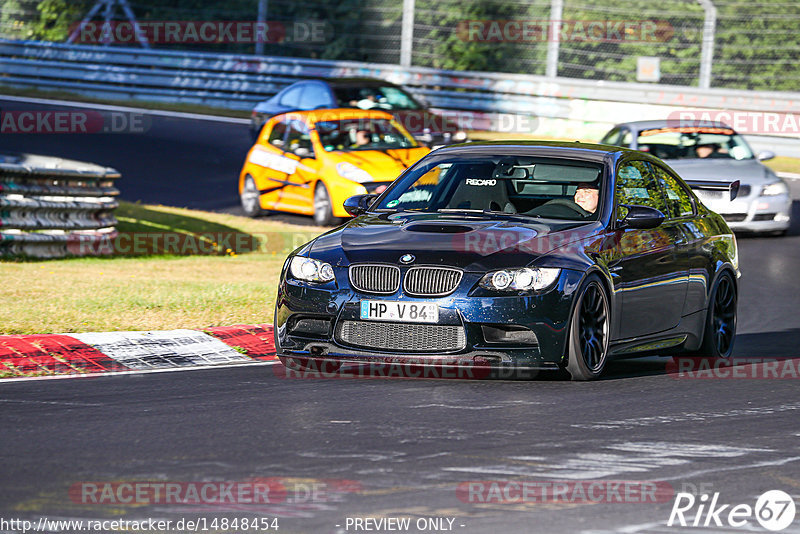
488, 213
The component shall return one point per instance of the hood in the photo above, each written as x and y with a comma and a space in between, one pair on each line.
383, 165
748, 171
421, 121
470, 243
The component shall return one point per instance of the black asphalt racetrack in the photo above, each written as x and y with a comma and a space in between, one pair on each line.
405, 444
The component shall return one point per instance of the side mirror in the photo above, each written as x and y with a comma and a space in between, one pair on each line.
766, 155
642, 218
358, 204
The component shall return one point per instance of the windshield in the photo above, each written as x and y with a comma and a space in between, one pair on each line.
511, 185
694, 143
375, 97
361, 134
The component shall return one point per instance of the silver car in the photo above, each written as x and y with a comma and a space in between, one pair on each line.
714, 151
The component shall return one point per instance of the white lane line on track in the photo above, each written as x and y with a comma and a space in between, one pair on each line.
136, 372
108, 107
638, 422
638, 457
767, 463
57, 403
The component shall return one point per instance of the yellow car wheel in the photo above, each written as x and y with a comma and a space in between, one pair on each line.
323, 209
251, 198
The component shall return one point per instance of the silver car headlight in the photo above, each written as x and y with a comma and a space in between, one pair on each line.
775, 189
460, 135
311, 270
525, 279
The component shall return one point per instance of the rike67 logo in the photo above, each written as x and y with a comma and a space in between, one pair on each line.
774, 510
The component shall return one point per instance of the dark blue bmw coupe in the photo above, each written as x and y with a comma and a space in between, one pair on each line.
516, 255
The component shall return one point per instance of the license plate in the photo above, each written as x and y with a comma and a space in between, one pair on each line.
404, 312
710, 195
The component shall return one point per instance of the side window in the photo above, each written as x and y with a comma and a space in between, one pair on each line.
315, 95
277, 134
626, 138
291, 98
636, 185
679, 201
611, 137
299, 140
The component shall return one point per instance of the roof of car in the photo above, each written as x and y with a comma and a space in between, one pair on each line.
671, 123
357, 81
567, 149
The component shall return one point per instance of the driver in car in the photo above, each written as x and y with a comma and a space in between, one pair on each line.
587, 196
583, 203
363, 137
709, 150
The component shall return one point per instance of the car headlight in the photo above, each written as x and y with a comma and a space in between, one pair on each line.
311, 270
525, 279
775, 189
460, 135
351, 172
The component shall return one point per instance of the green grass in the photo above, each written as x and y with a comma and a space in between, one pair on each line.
153, 292
784, 164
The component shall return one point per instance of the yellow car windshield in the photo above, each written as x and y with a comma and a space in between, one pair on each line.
361, 134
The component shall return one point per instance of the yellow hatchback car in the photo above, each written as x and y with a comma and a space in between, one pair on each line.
309, 162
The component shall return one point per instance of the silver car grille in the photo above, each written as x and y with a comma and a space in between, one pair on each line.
402, 337
431, 281
373, 278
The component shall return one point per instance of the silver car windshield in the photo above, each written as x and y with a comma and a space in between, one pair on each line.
694, 143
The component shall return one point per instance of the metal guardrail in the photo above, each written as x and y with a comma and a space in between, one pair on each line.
238, 81
50, 207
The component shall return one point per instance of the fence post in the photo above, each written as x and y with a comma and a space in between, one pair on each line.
707, 52
407, 33
262, 18
553, 36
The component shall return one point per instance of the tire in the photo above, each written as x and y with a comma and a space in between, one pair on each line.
323, 208
589, 331
720, 326
251, 198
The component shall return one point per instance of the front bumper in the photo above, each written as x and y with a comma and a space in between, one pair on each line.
546, 315
755, 213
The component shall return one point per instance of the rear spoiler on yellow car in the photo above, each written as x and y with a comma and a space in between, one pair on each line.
708, 185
